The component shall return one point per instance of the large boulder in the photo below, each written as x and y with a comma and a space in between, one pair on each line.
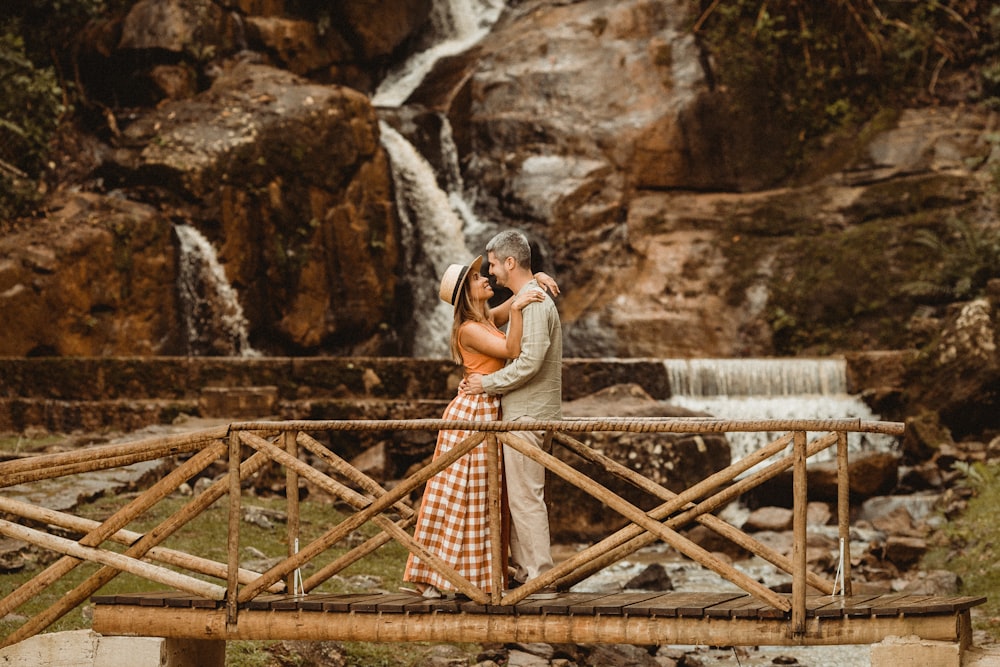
97, 277
958, 376
595, 127
285, 178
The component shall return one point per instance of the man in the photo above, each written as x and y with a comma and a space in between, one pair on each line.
531, 388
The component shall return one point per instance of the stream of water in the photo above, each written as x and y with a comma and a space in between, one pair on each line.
213, 317
780, 388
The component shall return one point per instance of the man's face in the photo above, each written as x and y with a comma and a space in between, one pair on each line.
498, 270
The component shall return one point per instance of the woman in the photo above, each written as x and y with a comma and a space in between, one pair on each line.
453, 521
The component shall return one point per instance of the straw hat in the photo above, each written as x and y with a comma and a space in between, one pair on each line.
454, 278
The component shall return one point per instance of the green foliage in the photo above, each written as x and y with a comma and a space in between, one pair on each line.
818, 66
30, 108
832, 292
968, 256
33, 96
969, 545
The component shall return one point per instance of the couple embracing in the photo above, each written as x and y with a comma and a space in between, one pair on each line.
513, 376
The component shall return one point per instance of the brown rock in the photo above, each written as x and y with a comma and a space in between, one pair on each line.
287, 180
171, 25
296, 44
818, 514
711, 541
380, 26
870, 474
769, 518
904, 551
96, 278
934, 582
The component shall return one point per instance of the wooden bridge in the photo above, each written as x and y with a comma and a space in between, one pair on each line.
279, 604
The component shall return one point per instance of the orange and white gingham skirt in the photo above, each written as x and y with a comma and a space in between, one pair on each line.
453, 521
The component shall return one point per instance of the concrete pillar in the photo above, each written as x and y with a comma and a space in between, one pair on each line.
127, 652
915, 652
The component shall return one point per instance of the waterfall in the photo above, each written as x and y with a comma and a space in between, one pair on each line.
456, 25
213, 317
436, 223
756, 377
432, 238
771, 389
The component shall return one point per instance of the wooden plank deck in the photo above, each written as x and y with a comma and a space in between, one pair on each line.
725, 619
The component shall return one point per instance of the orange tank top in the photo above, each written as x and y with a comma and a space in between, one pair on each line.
477, 362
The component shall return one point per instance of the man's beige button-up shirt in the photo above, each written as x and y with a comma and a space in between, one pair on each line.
531, 385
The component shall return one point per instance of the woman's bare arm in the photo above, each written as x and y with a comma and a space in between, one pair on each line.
501, 313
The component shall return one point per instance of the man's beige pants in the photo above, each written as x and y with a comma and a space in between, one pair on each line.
530, 550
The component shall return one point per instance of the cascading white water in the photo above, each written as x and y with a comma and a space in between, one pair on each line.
433, 239
456, 25
771, 389
213, 316
436, 223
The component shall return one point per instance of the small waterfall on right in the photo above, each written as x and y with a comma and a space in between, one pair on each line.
788, 388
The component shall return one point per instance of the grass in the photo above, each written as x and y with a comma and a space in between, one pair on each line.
206, 536
969, 545
24, 444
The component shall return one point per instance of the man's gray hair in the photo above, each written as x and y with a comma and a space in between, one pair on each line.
511, 243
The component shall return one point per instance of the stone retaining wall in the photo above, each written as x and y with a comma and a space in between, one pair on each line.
65, 394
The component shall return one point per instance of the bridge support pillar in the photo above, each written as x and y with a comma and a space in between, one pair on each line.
915, 652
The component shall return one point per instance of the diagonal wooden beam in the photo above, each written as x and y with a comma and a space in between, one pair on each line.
632, 538
640, 518
710, 521
117, 521
127, 537
113, 559
369, 511
342, 467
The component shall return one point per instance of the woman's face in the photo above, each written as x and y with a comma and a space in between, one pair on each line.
479, 287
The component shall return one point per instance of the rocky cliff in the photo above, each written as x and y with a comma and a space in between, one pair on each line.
598, 127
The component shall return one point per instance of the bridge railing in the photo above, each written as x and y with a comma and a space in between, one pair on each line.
286, 442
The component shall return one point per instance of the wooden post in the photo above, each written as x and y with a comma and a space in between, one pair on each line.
498, 562
233, 540
800, 501
292, 500
844, 511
